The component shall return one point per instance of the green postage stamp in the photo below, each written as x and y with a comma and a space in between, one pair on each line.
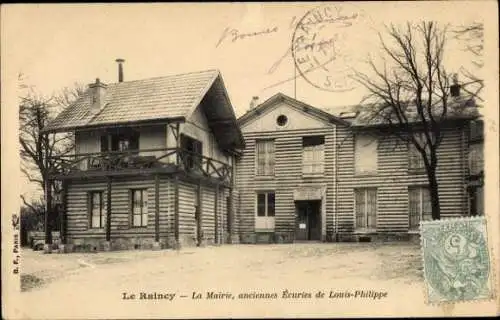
457, 265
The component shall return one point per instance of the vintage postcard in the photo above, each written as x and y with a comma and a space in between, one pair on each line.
250, 160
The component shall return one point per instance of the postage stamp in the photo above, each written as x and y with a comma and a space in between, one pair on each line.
323, 47
457, 265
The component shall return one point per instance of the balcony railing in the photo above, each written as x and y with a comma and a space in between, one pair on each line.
168, 159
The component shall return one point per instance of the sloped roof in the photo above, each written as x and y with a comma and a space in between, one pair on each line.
368, 115
279, 97
166, 97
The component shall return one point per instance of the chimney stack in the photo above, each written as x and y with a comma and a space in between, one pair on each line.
120, 69
254, 102
98, 90
455, 87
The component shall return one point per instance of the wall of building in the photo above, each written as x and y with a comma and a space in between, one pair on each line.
197, 127
392, 181
392, 178
123, 235
288, 175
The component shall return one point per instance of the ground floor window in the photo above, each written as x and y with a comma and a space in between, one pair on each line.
139, 207
96, 209
265, 210
419, 206
476, 201
366, 209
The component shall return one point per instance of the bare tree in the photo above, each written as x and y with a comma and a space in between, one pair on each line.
471, 38
409, 94
37, 149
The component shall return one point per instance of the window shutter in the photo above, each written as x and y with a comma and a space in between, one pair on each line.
89, 210
270, 204
307, 160
372, 208
261, 204
270, 157
414, 207
102, 210
130, 208
359, 198
145, 213
261, 161
426, 204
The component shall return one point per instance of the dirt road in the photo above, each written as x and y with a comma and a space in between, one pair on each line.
229, 281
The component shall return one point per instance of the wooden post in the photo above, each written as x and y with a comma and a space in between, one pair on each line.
48, 212
230, 216
64, 215
176, 210
216, 214
177, 143
108, 210
199, 215
157, 208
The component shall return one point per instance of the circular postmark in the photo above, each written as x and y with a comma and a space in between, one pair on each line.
325, 45
457, 263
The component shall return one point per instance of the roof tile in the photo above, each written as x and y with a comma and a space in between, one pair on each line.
149, 99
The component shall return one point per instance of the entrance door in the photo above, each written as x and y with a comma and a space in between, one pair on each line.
308, 222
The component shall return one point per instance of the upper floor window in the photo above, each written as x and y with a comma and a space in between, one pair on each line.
193, 155
476, 158
476, 131
139, 207
313, 153
120, 142
415, 159
365, 154
265, 157
419, 206
96, 209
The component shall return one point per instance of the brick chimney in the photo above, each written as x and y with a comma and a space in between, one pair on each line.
254, 102
455, 87
120, 69
98, 93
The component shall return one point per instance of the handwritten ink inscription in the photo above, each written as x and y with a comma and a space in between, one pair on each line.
234, 35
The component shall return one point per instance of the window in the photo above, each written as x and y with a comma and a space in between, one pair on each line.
265, 157
419, 206
415, 159
139, 207
313, 153
265, 204
121, 142
96, 209
476, 158
476, 131
365, 154
366, 208
193, 152
282, 120
264, 219
476, 201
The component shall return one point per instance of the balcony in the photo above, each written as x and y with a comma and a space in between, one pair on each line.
144, 161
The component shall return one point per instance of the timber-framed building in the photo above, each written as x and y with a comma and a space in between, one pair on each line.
153, 165
165, 163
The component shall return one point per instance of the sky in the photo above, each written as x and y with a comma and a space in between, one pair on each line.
57, 45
